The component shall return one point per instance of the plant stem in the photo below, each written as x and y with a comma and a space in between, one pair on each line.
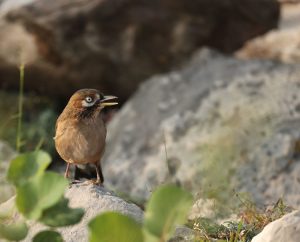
20, 108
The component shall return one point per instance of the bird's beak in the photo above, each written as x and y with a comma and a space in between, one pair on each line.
104, 103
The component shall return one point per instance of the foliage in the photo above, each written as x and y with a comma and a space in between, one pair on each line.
26, 166
61, 215
167, 207
115, 227
39, 197
13, 232
20, 108
38, 121
48, 235
258, 218
250, 222
40, 193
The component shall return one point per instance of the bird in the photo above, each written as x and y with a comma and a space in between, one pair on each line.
80, 132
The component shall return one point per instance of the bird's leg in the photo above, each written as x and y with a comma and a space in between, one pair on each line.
67, 170
100, 178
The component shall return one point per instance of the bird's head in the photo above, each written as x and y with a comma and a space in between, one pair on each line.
90, 100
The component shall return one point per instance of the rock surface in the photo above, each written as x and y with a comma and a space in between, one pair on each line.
284, 229
94, 200
282, 44
217, 123
115, 44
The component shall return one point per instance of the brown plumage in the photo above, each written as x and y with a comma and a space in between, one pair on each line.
80, 131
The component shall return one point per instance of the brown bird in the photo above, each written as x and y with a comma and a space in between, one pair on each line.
80, 131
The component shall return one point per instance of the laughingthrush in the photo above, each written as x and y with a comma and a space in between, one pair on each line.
80, 130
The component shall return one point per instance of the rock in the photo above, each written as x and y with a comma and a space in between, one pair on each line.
284, 229
183, 234
94, 200
115, 44
6, 154
282, 44
216, 125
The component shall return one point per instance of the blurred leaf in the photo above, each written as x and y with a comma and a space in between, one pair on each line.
167, 207
39, 194
61, 215
115, 227
14, 232
7, 210
27, 165
48, 236
148, 237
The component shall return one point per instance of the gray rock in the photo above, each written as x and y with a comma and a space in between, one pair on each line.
183, 234
225, 123
114, 45
284, 229
94, 200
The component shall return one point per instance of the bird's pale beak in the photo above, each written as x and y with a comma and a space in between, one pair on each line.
104, 102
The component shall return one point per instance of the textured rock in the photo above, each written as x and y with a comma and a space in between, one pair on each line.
224, 122
282, 44
115, 44
284, 229
94, 200
183, 234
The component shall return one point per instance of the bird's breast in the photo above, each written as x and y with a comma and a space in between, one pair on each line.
80, 142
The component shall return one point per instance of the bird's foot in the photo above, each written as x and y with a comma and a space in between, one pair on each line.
95, 182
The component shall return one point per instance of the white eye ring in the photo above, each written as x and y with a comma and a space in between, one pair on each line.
88, 99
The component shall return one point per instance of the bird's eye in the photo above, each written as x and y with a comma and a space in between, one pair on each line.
88, 99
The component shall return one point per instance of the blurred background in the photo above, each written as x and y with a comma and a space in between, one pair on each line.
209, 90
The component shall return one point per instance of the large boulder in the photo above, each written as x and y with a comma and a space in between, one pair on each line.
115, 44
219, 122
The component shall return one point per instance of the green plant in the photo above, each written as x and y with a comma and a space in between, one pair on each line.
20, 108
39, 197
251, 221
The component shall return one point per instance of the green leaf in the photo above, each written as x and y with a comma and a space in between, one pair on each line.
49, 236
148, 237
27, 165
115, 227
39, 194
167, 207
61, 215
14, 232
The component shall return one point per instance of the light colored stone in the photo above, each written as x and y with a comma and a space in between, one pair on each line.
239, 135
285, 229
282, 44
